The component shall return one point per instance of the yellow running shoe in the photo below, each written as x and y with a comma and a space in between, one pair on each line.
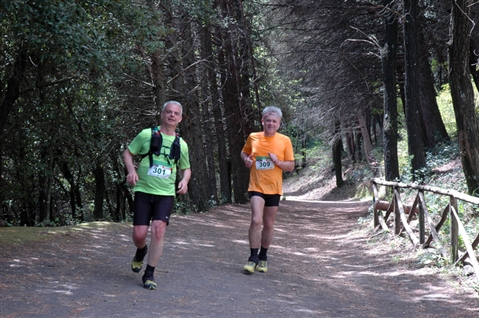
135, 265
149, 283
249, 267
262, 266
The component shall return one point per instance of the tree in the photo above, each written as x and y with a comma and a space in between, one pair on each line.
331, 59
462, 92
214, 103
411, 87
391, 164
337, 146
433, 129
235, 112
59, 116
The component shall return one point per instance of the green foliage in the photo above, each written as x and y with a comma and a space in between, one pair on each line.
431, 257
442, 153
318, 155
66, 119
181, 208
364, 222
47, 223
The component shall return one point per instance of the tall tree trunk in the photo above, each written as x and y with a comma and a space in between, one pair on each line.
193, 128
245, 70
6, 105
391, 163
474, 58
13, 88
99, 174
462, 93
301, 139
432, 124
73, 192
224, 162
357, 147
182, 73
158, 80
28, 211
43, 214
368, 147
474, 47
349, 137
206, 71
155, 69
45, 185
411, 87
122, 193
337, 148
229, 101
231, 95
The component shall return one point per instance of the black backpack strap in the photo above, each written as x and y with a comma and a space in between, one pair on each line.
175, 150
149, 154
155, 145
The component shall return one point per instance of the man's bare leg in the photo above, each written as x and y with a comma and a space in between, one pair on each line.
158, 230
139, 239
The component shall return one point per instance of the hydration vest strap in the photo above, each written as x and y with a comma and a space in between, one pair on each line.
175, 149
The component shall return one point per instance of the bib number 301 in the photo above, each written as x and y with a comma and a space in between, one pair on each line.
264, 163
160, 171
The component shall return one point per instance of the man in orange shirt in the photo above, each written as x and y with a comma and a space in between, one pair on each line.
267, 154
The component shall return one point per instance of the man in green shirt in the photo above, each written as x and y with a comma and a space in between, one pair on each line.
154, 187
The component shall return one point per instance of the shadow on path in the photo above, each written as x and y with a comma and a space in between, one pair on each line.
319, 267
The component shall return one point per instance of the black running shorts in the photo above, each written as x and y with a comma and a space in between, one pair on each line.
269, 199
152, 207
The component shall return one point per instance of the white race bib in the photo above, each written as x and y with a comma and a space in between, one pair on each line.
264, 163
160, 170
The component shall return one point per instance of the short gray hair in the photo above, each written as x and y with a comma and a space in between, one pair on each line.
174, 102
273, 110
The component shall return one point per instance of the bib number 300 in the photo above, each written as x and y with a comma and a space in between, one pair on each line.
264, 163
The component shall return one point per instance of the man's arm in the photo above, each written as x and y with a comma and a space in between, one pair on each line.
283, 165
183, 184
132, 176
286, 165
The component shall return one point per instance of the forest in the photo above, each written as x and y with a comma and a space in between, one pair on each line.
80, 78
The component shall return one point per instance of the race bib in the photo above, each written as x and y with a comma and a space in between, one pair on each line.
160, 170
264, 163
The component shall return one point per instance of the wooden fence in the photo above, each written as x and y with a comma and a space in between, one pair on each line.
403, 215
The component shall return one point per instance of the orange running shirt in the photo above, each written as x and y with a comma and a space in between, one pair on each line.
265, 177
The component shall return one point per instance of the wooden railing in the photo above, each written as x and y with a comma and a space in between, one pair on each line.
403, 215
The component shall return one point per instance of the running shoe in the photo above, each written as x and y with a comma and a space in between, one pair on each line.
262, 266
135, 265
149, 283
249, 267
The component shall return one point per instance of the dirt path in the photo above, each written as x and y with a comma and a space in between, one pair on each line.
319, 267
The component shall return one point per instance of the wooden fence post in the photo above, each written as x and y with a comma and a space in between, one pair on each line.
456, 226
375, 202
454, 231
397, 214
422, 226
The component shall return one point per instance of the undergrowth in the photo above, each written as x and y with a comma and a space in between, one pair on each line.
444, 170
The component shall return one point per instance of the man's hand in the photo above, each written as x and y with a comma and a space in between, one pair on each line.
274, 158
182, 187
283, 165
248, 161
132, 177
